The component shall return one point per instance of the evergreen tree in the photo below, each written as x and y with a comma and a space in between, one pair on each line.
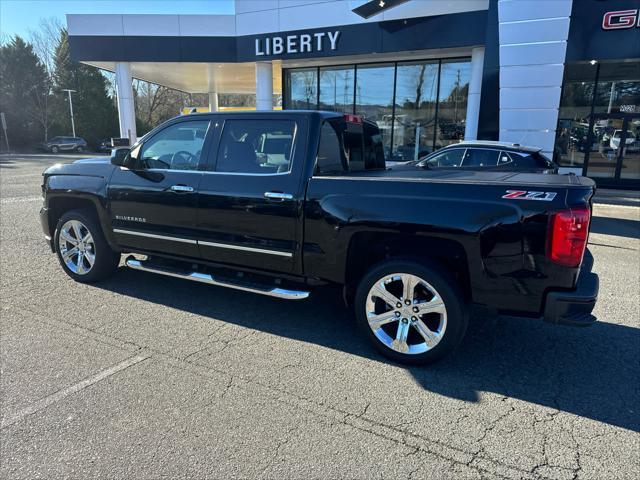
24, 93
94, 112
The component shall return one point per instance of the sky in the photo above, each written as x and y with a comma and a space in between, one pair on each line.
19, 17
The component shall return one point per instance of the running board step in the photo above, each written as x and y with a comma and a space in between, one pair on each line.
136, 264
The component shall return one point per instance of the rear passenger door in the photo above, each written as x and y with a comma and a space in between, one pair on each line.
250, 199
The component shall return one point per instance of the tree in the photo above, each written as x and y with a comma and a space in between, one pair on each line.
94, 112
24, 89
156, 103
44, 41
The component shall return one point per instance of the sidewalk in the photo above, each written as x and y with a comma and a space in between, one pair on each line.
630, 198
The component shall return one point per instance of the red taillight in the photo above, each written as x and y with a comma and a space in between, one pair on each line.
567, 236
349, 117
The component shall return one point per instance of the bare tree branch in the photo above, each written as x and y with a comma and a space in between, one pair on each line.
44, 41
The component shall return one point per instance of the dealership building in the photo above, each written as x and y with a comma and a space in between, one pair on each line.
562, 75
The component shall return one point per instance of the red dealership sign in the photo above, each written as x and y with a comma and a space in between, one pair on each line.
620, 19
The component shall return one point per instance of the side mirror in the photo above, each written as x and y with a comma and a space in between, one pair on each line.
119, 156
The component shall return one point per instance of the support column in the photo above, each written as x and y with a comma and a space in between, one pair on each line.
213, 102
264, 86
533, 51
475, 87
126, 106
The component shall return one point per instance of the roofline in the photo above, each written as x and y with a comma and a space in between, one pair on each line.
320, 113
492, 143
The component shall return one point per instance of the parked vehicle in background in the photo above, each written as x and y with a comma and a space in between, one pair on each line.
486, 155
614, 141
278, 203
104, 146
65, 144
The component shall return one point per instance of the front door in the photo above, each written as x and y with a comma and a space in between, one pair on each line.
614, 156
250, 202
153, 203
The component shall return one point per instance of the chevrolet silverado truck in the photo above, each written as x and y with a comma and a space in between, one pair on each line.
280, 203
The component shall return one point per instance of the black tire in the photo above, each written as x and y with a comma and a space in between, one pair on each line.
55, 149
438, 278
106, 260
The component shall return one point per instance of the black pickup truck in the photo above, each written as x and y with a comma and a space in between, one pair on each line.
278, 203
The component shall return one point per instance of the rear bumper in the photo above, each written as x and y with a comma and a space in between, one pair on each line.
574, 307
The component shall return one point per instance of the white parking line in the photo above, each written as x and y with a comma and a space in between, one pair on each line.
603, 204
7, 176
20, 199
59, 395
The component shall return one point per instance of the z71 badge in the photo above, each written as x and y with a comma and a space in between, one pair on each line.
524, 195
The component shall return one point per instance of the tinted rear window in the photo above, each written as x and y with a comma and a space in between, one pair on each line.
349, 147
530, 160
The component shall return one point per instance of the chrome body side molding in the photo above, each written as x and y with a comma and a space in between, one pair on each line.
204, 243
153, 235
245, 249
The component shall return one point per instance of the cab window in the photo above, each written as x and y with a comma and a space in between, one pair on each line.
476, 157
347, 146
256, 146
448, 158
330, 160
177, 147
504, 159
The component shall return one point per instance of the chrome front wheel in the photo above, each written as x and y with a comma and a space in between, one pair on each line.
77, 247
406, 313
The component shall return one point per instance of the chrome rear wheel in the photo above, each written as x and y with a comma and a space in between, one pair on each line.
406, 313
77, 247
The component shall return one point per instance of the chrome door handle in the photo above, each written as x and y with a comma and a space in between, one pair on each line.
182, 188
278, 196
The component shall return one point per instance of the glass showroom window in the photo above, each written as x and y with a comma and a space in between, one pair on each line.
618, 88
415, 110
452, 104
604, 97
336, 89
616, 116
572, 135
302, 89
374, 98
428, 112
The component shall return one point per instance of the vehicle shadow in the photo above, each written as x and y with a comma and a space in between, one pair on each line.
590, 372
621, 227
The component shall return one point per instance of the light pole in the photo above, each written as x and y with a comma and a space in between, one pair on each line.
73, 125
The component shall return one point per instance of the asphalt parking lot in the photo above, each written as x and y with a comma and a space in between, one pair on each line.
152, 377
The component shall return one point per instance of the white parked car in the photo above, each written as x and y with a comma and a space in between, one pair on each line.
614, 142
